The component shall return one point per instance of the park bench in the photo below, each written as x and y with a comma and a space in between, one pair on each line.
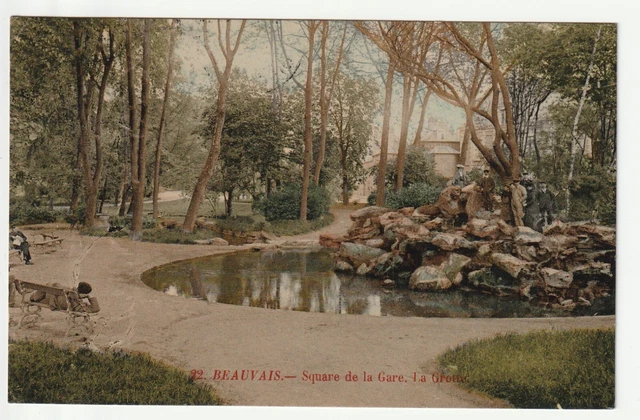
53, 242
77, 318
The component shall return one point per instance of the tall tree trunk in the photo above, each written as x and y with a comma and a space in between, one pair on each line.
423, 111
133, 115
139, 186
308, 96
574, 130
167, 88
206, 173
404, 130
325, 97
384, 141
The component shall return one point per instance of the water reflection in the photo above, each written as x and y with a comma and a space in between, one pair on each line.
304, 281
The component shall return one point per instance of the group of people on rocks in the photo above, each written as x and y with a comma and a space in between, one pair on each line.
524, 202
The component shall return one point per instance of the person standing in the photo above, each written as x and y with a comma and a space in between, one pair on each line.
547, 203
460, 178
487, 187
518, 201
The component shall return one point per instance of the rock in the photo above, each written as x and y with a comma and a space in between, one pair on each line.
475, 202
509, 264
556, 278
330, 240
605, 235
449, 202
566, 302
343, 266
202, 241
386, 263
478, 275
428, 277
369, 232
506, 228
527, 252
219, 242
525, 235
484, 215
592, 269
368, 212
435, 224
555, 244
362, 270
358, 254
375, 243
484, 249
388, 283
394, 221
407, 211
453, 265
483, 228
451, 242
427, 210
412, 231
556, 227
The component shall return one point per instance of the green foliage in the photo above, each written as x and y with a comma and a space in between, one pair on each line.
541, 369
45, 374
242, 223
284, 204
298, 227
415, 195
593, 196
122, 222
22, 213
419, 167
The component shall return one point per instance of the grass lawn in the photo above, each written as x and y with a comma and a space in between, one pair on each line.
541, 369
43, 373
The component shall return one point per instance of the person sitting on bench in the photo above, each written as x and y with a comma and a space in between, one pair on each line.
19, 242
83, 302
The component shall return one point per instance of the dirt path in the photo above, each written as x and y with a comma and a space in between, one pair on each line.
193, 334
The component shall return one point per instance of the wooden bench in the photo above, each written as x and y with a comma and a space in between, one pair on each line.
55, 241
77, 318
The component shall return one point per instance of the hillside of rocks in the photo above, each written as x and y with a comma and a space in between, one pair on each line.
428, 248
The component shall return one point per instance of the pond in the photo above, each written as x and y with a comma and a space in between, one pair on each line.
303, 280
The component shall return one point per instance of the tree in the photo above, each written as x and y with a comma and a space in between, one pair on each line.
161, 127
466, 45
312, 27
228, 51
352, 120
86, 56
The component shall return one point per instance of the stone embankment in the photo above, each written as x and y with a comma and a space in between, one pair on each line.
428, 248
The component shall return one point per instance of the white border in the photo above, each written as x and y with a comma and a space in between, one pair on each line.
625, 13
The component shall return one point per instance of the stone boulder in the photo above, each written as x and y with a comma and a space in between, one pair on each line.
451, 242
429, 278
219, 242
474, 204
509, 264
593, 269
555, 244
375, 243
435, 224
449, 202
427, 210
454, 265
394, 220
407, 211
386, 264
342, 265
556, 278
483, 228
358, 254
556, 227
368, 213
330, 240
604, 235
525, 235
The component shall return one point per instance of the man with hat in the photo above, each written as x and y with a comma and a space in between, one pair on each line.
487, 187
518, 200
547, 202
460, 178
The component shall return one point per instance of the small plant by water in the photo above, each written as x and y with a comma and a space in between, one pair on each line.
542, 369
42, 373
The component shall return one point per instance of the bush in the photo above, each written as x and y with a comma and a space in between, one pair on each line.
415, 195
122, 222
241, 223
284, 204
22, 213
43, 373
541, 369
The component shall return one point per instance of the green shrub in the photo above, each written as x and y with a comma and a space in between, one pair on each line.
284, 204
241, 223
415, 195
43, 373
22, 213
541, 369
